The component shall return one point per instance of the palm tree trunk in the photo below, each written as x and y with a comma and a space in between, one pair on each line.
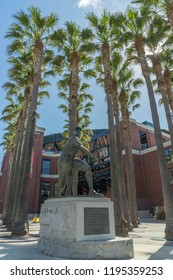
129, 162
115, 189
73, 92
17, 167
162, 87
8, 192
165, 179
72, 183
169, 12
168, 84
132, 172
14, 171
19, 226
123, 194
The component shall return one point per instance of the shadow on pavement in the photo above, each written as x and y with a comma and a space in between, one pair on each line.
164, 253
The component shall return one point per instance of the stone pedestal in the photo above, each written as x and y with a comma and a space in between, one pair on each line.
81, 228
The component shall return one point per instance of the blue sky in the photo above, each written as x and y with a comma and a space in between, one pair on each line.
51, 118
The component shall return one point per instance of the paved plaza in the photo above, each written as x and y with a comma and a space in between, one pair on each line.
148, 239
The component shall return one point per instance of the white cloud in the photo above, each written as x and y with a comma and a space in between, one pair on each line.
99, 5
86, 3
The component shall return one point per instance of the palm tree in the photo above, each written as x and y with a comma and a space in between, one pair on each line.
14, 91
127, 86
116, 65
135, 29
32, 32
164, 7
20, 82
157, 37
103, 27
75, 48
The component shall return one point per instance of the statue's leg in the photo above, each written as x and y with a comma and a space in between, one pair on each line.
68, 189
63, 176
82, 166
74, 182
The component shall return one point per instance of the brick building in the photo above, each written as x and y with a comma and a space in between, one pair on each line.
44, 172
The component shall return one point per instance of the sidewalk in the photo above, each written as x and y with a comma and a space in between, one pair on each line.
148, 240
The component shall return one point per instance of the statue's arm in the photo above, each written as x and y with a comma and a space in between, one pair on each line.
87, 152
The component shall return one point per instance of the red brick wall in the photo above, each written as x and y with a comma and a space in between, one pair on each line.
152, 178
134, 129
34, 191
142, 199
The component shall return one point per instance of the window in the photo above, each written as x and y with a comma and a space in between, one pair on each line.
45, 191
46, 166
143, 138
171, 174
58, 191
104, 153
169, 155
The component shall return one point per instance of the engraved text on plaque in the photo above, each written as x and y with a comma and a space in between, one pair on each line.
96, 221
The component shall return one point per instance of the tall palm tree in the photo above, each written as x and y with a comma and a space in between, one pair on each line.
127, 86
103, 27
75, 47
116, 65
32, 31
21, 81
134, 32
14, 91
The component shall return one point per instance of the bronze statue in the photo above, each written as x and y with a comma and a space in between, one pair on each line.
68, 162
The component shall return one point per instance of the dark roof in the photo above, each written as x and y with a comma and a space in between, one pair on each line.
98, 133
148, 123
165, 131
56, 137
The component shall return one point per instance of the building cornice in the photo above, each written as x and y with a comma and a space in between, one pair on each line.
39, 129
46, 176
50, 155
167, 143
151, 129
154, 148
148, 150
